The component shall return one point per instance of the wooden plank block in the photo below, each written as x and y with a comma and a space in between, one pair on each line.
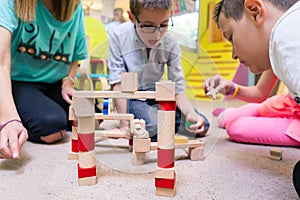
115, 94
190, 144
114, 133
115, 116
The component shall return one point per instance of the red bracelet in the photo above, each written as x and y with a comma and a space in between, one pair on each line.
13, 120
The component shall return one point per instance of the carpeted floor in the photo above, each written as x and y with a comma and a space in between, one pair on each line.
230, 171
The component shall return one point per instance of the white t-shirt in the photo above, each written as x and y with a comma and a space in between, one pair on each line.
285, 49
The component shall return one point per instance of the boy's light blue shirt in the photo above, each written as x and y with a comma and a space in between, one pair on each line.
49, 45
128, 53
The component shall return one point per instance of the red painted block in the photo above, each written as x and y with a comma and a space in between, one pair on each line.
75, 146
130, 142
86, 172
165, 183
75, 123
165, 158
167, 105
86, 142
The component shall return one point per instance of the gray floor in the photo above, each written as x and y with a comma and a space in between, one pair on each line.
230, 171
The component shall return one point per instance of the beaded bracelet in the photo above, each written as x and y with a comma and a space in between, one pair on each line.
69, 78
13, 120
236, 89
231, 90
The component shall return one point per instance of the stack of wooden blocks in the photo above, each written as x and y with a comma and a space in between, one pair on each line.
83, 133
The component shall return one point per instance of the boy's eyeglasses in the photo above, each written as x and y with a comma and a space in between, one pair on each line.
151, 29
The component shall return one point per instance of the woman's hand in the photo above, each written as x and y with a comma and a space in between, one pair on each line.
12, 138
67, 90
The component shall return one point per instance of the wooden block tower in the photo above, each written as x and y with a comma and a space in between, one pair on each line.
165, 176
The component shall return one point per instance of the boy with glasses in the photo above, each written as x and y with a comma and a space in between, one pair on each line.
144, 46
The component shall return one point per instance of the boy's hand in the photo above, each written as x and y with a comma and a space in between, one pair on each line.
194, 123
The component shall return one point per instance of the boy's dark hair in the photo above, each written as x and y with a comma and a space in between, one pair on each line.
137, 5
235, 8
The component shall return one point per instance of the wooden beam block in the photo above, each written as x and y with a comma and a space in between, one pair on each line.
115, 94
190, 144
114, 133
276, 154
129, 82
115, 116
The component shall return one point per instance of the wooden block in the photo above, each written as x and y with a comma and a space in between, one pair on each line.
276, 154
180, 139
71, 114
74, 146
167, 105
166, 129
115, 116
190, 144
84, 107
165, 91
87, 181
167, 173
73, 156
129, 82
165, 158
196, 153
138, 158
165, 183
86, 124
139, 129
141, 145
114, 133
86, 142
87, 159
165, 192
86, 172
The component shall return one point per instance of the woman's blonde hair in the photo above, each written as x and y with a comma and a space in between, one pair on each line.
64, 9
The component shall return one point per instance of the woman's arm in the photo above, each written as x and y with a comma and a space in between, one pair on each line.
13, 135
